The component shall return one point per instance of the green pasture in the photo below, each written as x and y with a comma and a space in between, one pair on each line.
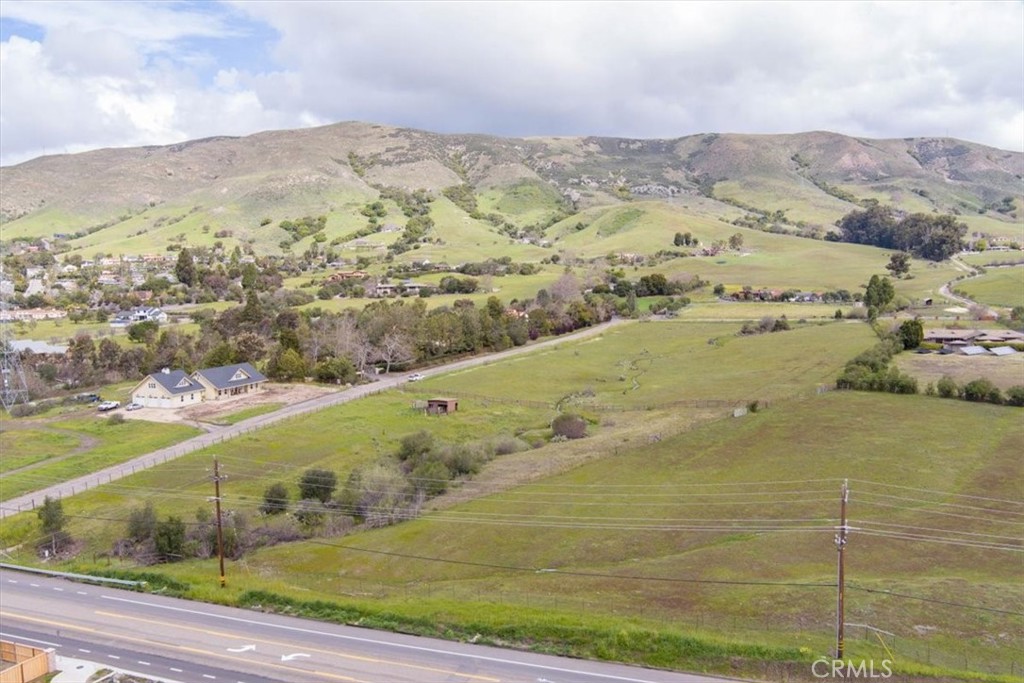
475, 567
783, 463
246, 413
986, 258
527, 202
58, 450
338, 438
657, 363
801, 200
997, 287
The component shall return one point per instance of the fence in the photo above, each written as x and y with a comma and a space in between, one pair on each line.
29, 663
110, 474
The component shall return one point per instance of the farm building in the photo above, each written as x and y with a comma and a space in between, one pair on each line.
442, 406
176, 389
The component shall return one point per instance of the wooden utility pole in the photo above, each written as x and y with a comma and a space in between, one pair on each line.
220, 531
840, 584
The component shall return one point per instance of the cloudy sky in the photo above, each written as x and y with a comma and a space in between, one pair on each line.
80, 75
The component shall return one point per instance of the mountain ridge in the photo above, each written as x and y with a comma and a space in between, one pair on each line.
817, 175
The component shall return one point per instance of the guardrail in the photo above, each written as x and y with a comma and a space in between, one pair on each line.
70, 575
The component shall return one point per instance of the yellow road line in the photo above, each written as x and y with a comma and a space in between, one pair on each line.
360, 658
182, 648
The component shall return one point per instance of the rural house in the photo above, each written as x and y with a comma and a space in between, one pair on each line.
168, 389
176, 389
229, 380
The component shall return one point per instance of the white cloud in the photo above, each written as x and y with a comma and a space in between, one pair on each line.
137, 73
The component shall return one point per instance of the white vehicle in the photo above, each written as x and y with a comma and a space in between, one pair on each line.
415, 377
108, 405
133, 406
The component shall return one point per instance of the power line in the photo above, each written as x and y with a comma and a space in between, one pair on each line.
935, 600
566, 572
940, 493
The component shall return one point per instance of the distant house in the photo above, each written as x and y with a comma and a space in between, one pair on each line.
951, 337
230, 380
177, 389
140, 314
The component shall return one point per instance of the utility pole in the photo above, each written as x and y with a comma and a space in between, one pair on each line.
840, 584
220, 531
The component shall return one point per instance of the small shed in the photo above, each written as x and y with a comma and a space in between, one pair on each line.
442, 406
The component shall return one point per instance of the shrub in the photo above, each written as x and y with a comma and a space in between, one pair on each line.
115, 419
569, 426
506, 445
317, 484
1015, 396
982, 391
947, 387
141, 523
275, 499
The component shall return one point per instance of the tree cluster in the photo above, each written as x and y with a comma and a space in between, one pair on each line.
927, 236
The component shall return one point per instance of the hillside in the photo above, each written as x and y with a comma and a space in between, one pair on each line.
144, 199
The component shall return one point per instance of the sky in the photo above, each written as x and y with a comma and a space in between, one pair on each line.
83, 75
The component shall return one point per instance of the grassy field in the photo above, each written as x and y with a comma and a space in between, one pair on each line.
997, 287
626, 540
56, 450
657, 363
661, 528
246, 413
1003, 371
993, 258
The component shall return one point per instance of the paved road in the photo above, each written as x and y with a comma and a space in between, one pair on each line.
185, 641
74, 486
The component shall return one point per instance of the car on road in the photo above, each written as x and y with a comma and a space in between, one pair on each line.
108, 405
133, 406
415, 377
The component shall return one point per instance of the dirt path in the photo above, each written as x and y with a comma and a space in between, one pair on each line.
85, 443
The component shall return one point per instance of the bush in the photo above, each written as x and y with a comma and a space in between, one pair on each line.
275, 499
115, 419
506, 445
982, 391
1015, 396
569, 426
141, 523
947, 387
317, 484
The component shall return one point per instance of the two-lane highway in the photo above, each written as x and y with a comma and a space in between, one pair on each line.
188, 641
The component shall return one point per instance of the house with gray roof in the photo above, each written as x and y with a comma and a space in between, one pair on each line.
229, 380
168, 389
177, 389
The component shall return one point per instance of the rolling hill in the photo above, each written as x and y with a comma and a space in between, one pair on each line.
141, 199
